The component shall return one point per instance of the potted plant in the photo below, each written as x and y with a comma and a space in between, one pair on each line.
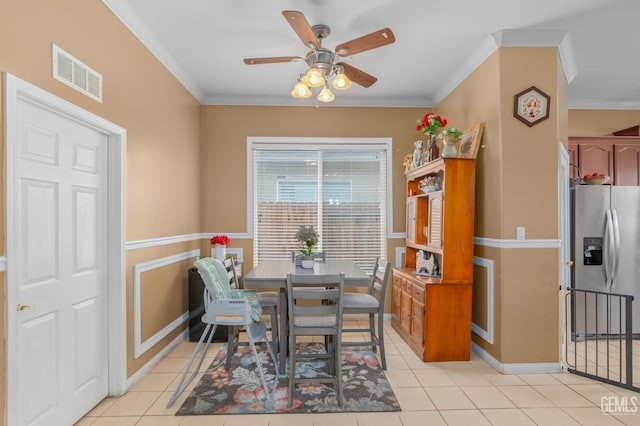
450, 137
219, 246
429, 184
429, 125
308, 238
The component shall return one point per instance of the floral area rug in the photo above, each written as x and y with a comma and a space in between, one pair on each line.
239, 391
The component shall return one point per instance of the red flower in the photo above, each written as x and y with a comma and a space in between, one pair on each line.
220, 239
431, 123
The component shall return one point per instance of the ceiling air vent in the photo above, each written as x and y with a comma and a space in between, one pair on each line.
76, 74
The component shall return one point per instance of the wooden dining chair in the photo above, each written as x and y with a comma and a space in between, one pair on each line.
315, 309
371, 303
268, 301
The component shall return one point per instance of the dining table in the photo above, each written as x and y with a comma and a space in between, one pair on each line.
272, 274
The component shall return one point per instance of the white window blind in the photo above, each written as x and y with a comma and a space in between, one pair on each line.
340, 192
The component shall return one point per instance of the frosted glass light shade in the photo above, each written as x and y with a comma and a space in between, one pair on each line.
326, 95
313, 78
341, 82
300, 91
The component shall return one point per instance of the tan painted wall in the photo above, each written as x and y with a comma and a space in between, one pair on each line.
513, 190
224, 153
165, 163
160, 116
594, 122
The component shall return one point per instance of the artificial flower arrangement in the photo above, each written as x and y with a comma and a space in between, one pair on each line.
308, 238
429, 181
451, 131
430, 123
223, 240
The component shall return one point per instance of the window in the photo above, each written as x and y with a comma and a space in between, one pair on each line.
300, 191
339, 189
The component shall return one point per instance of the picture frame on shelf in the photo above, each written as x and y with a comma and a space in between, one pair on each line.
531, 106
470, 142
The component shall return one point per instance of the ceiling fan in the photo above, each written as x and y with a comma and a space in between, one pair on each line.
323, 63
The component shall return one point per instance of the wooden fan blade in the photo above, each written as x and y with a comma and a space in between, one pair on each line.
272, 60
367, 42
357, 76
301, 26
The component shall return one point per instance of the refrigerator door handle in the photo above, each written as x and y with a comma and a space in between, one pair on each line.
616, 248
608, 240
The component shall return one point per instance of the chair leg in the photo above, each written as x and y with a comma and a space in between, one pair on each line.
372, 330
292, 368
182, 385
381, 340
232, 337
274, 329
268, 395
338, 369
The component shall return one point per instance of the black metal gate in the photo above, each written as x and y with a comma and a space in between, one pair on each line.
599, 340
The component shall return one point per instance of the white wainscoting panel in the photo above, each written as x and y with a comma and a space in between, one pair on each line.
141, 347
488, 333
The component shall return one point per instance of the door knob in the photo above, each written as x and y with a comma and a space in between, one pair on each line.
568, 262
21, 307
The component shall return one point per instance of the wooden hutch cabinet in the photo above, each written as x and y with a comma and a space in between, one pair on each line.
433, 313
616, 156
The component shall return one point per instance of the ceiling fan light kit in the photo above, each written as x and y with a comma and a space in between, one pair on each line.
301, 91
323, 64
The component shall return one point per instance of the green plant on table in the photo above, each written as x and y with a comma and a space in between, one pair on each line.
308, 238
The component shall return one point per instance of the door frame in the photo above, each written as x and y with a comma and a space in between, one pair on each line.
564, 233
16, 89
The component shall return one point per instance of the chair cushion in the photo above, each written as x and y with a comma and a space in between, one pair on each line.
315, 321
214, 276
359, 300
267, 298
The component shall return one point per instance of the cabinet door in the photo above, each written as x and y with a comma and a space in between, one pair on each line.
627, 164
574, 165
405, 312
435, 221
396, 297
417, 322
596, 158
411, 219
417, 313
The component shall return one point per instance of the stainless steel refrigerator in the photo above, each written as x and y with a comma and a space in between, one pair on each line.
606, 254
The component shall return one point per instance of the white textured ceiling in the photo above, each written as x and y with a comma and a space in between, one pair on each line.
203, 43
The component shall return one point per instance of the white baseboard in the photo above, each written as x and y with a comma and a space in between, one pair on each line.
517, 368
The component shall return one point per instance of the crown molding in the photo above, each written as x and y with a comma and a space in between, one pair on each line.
513, 38
124, 12
340, 101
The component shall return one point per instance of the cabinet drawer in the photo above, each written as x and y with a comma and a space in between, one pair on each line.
397, 281
418, 292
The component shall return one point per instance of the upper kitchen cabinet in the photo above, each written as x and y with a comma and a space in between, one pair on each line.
626, 157
616, 156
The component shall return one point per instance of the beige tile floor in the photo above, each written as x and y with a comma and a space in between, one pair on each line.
448, 393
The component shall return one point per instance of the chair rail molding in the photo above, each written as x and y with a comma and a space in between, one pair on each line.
516, 244
173, 239
141, 347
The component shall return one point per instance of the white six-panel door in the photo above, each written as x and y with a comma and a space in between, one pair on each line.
60, 215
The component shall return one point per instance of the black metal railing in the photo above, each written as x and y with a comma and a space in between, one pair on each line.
599, 338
